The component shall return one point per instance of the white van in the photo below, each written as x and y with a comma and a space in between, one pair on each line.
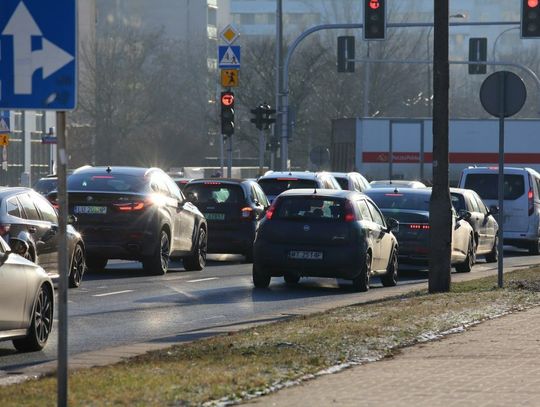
521, 201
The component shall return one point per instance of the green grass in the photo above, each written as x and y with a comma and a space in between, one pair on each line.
249, 361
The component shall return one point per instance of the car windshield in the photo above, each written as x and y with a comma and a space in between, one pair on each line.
275, 186
216, 192
486, 185
397, 200
303, 208
108, 182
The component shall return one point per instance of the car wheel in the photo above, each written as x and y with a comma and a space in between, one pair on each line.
361, 282
261, 279
534, 248
390, 279
158, 263
95, 263
493, 255
291, 278
78, 267
40, 328
197, 260
467, 265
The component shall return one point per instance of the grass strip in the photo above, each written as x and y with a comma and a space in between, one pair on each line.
253, 361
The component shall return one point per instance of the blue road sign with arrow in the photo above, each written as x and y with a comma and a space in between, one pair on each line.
38, 48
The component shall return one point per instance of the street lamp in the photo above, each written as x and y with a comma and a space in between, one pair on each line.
429, 93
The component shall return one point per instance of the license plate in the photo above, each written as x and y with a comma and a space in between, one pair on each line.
214, 216
305, 255
90, 210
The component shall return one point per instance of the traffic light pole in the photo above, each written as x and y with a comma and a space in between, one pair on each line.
262, 148
282, 99
229, 157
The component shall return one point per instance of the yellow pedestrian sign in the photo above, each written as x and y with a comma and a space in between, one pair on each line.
4, 139
229, 77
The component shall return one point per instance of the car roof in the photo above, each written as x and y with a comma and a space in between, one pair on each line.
495, 169
14, 190
398, 190
398, 182
293, 174
219, 180
334, 193
138, 171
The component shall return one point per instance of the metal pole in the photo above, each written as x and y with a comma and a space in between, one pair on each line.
61, 167
229, 157
279, 75
221, 154
500, 248
261, 151
367, 75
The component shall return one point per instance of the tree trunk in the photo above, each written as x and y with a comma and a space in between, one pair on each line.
440, 209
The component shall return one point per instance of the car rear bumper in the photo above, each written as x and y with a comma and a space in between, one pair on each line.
119, 243
235, 239
337, 262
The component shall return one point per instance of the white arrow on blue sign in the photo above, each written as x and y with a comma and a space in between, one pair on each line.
38, 54
229, 56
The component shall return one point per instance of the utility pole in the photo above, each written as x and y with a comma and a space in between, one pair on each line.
279, 81
440, 209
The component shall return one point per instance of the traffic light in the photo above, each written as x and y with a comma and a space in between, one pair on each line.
530, 19
345, 53
258, 119
477, 53
374, 20
268, 119
227, 113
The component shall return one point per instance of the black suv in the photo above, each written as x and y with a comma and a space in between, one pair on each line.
233, 208
138, 214
26, 215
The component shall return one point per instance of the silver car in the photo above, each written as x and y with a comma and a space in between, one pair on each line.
26, 299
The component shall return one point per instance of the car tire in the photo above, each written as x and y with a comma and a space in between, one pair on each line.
390, 278
158, 263
96, 263
361, 282
291, 278
78, 267
534, 248
197, 260
467, 265
261, 279
41, 326
493, 255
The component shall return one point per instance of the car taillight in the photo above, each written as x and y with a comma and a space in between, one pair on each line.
247, 213
53, 201
4, 229
130, 206
530, 197
350, 216
419, 226
270, 211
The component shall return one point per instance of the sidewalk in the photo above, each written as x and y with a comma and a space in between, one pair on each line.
496, 363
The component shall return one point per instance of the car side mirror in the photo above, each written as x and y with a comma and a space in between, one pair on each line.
392, 225
192, 197
493, 210
19, 246
464, 214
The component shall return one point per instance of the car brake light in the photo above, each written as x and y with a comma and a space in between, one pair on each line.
54, 202
530, 196
419, 226
393, 194
247, 212
4, 229
271, 210
349, 213
130, 206
212, 183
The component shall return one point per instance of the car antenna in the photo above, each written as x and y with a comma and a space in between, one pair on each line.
108, 169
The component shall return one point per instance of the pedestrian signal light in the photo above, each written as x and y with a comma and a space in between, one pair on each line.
530, 19
374, 20
227, 113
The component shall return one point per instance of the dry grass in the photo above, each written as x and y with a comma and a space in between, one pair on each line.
251, 361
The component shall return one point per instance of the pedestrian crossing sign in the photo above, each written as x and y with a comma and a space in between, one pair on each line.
229, 77
4, 139
229, 56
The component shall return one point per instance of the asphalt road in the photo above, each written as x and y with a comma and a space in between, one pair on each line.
122, 305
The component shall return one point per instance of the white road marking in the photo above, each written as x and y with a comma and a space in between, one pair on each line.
203, 279
113, 293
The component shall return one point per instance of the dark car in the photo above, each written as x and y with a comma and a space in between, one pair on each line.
27, 215
481, 219
137, 214
46, 184
26, 299
410, 206
233, 208
325, 233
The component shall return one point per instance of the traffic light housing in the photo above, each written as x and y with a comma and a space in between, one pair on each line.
345, 53
258, 117
268, 119
477, 53
374, 20
263, 116
530, 19
227, 113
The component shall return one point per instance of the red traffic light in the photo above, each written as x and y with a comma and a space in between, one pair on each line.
532, 3
374, 4
227, 99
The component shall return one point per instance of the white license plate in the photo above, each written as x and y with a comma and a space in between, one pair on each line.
305, 255
214, 216
90, 210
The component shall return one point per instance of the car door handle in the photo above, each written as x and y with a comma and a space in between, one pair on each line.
32, 229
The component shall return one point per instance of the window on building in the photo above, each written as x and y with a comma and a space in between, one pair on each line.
212, 16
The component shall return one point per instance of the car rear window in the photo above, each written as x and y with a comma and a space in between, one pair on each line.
107, 182
44, 186
275, 186
216, 192
487, 185
398, 200
303, 208
343, 182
